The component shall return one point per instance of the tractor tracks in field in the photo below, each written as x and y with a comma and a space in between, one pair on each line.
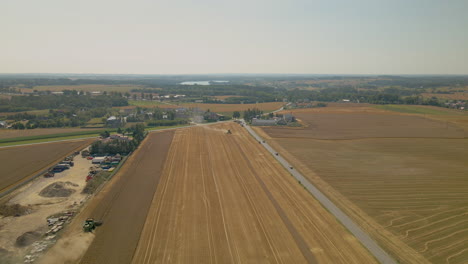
363, 237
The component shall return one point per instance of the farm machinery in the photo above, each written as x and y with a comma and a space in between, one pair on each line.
90, 224
229, 131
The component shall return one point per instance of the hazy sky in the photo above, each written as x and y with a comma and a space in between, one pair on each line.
236, 36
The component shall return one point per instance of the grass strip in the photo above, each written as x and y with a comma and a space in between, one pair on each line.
56, 136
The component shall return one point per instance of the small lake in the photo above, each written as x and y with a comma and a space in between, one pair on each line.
201, 82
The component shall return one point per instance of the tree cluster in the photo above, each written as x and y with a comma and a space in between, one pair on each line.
119, 145
72, 101
251, 113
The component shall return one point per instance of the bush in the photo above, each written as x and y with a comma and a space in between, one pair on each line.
96, 181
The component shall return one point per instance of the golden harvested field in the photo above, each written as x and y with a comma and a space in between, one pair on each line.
84, 87
219, 108
14, 133
401, 176
224, 108
123, 204
20, 163
224, 199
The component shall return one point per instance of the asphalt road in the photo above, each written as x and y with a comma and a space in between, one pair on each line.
362, 236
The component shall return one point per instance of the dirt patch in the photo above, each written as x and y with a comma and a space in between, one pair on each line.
27, 238
42, 209
13, 210
69, 249
6, 257
58, 189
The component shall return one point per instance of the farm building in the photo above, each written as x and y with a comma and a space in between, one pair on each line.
98, 160
212, 116
263, 122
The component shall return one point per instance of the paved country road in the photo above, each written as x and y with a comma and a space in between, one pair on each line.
362, 236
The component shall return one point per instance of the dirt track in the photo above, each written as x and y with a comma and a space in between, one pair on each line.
123, 206
19, 163
224, 199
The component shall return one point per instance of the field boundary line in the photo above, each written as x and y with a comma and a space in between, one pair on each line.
363, 237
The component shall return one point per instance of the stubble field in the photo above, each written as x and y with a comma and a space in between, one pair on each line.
123, 204
401, 176
224, 199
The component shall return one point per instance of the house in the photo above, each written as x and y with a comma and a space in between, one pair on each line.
263, 122
212, 116
3, 124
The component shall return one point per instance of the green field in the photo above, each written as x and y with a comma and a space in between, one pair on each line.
417, 109
66, 136
33, 141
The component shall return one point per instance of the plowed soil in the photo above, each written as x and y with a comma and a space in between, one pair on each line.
224, 199
124, 204
20, 163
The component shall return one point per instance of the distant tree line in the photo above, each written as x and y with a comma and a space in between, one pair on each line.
251, 113
177, 121
239, 93
388, 96
27, 103
56, 118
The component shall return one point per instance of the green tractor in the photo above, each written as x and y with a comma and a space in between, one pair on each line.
89, 225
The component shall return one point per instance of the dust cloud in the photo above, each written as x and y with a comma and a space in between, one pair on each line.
68, 249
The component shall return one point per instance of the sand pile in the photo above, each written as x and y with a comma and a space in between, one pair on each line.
58, 189
27, 238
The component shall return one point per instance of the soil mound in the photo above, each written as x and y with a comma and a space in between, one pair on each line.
57, 189
27, 239
13, 210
